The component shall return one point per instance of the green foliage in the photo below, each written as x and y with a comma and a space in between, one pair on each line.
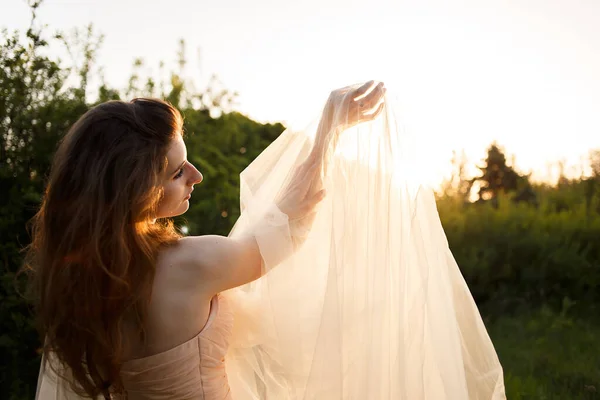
518, 255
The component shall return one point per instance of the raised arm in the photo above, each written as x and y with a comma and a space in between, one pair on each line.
221, 263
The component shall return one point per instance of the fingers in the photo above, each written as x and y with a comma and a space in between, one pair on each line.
373, 104
378, 110
363, 89
367, 103
373, 98
361, 104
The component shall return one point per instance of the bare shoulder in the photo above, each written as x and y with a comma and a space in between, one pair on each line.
181, 264
212, 263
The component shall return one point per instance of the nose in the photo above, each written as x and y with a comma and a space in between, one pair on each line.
196, 177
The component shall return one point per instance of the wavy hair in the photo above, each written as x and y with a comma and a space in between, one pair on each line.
95, 241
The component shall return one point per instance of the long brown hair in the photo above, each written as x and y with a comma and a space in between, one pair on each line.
95, 241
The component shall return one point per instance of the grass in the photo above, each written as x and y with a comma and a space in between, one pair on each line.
548, 355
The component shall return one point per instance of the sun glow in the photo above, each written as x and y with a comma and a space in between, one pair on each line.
466, 72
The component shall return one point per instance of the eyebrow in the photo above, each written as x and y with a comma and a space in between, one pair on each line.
178, 168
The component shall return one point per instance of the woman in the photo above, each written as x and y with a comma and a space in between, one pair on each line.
119, 292
359, 295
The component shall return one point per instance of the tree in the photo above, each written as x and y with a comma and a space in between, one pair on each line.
498, 177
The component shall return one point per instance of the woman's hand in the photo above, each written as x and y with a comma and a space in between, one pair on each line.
347, 107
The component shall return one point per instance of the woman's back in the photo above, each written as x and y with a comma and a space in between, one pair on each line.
177, 311
187, 335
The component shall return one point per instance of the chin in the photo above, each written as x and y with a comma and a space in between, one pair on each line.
182, 210
183, 207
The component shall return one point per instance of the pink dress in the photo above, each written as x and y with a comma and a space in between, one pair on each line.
192, 370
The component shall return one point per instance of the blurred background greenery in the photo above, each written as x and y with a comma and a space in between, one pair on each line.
529, 251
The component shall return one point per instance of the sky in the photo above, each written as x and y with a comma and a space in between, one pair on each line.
524, 73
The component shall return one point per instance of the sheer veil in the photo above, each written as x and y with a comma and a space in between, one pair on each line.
366, 301
361, 299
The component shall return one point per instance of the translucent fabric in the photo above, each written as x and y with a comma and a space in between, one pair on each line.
52, 386
361, 299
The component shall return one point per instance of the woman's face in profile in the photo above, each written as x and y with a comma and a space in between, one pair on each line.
178, 181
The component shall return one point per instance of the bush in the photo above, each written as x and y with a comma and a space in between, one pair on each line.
518, 255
